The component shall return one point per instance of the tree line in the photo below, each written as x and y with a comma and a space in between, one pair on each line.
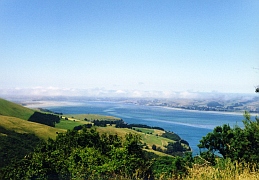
122, 124
88, 155
42, 118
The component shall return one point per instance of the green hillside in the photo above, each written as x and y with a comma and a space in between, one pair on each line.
20, 126
8, 108
19, 137
13, 116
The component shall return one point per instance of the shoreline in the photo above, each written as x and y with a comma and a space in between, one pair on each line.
40, 104
212, 112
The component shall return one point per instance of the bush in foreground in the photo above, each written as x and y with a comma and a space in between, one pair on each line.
224, 169
235, 143
83, 155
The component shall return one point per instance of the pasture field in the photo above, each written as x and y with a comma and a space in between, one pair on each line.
113, 130
144, 130
145, 135
22, 126
69, 124
80, 119
153, 136
90, 117
149, 139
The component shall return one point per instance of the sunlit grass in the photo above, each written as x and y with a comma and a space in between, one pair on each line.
151, 139
69, 124
112, 130
8, 108
22, 126
224, 171
144, 130
91, 117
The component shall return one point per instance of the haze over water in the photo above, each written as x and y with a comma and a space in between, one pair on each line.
189, 125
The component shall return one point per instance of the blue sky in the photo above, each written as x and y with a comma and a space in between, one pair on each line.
130, 46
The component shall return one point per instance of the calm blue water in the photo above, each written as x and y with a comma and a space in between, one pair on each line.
189, 125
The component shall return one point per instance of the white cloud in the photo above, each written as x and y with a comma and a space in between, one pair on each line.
102, 92
120, 92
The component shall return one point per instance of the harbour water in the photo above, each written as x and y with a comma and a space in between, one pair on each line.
189, 125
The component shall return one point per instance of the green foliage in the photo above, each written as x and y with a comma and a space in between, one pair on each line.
82, 126
47, 119
162, 167
68, 124
144, 130
174, 147
14, 147
122, 124
179, 168
154, 147
92, 117
234, 143
21, 126
84, 155
171, 135
165, 167
218, 140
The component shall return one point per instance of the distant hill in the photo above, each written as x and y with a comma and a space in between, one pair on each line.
8, 108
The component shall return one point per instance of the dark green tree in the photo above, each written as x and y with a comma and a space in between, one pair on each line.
218, 141
234, 143
154, 147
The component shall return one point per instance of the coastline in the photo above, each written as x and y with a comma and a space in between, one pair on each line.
191, 131
211, 112
45, 103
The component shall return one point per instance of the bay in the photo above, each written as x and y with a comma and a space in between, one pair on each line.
189, 125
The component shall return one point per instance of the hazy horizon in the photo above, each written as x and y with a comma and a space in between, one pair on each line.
40, 92
129, 48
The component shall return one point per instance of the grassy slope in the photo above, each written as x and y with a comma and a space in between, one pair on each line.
78, 119
90, 117
69, 124
149, 139
21, 126
8, 108
12, 117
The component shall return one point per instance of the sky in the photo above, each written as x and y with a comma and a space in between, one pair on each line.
129, 46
